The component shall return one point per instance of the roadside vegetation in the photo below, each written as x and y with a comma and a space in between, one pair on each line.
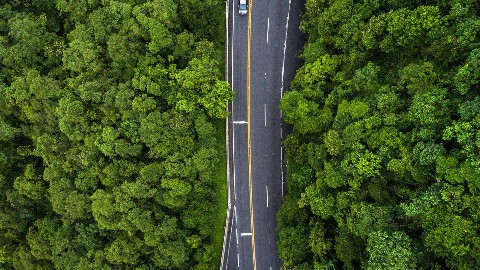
384, 157
109, 134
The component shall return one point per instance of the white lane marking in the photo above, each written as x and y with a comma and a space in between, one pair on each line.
236, 223
235, 214
229, 228
265, 110
236, 236
233, 127
266, 189
233, 36
226, 27
268, 27
265, 75
240, 122
233, 157
246, 234
285, 46
281, 90
229, 243
238, 260
281, 166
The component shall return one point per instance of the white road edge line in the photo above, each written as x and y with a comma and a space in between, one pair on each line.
229, 244
233, 163
281, 89
233, 36
281, 166
266, 189
246, 234
227, 228
233, 127
227, 12
285, 46
268, 27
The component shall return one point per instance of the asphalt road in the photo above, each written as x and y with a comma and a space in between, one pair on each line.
275, 41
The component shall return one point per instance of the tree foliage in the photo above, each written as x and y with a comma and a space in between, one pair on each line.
107, 141
384, 159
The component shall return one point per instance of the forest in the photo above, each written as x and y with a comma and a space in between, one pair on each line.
383, 160
110, 112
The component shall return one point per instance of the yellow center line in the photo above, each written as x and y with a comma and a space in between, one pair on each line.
249, 138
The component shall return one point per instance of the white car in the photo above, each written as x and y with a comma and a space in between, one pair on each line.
242, 7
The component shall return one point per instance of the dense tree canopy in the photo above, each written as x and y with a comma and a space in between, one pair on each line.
383, 161
107, 133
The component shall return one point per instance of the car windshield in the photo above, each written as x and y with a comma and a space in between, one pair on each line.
243, 6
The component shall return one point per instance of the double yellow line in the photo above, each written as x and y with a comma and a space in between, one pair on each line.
252, 225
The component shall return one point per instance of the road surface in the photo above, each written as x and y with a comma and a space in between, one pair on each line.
260, 68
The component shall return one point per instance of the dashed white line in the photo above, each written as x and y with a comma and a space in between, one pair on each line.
238, 260
265, 110
246, 234
236, 223
235, 213
266, 189
268, 27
